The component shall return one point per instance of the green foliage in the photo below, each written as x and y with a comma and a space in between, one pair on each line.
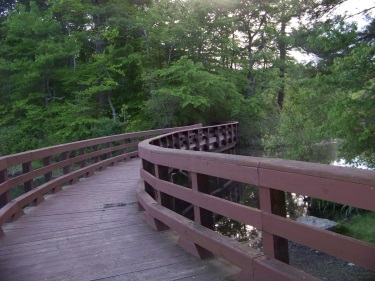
353, 111
335, 104
71, 70
361, 226
105, 127
188, 93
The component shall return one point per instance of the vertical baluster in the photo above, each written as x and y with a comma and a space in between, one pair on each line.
82, 152
198, 139
163, 142
207, 131
176, 141
135, 148
103, 156
217, 133
110, 154
162, 199
96, 158
171, 141
273, 201
187, 139
5, 197
161, 172
47, 162
65, 156
122, 150
148, 167
26, 168
225, 135
66, 169
49, 176
200, 182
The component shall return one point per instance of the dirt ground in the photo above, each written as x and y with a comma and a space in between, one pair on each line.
326, 267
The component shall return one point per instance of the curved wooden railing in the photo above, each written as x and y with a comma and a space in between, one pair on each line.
273, 177
26, 178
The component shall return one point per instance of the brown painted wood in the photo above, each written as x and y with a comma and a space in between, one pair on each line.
220, 206
331, 189
273, 201
4, 187
343, 247
273, 177
236, 253
73, 236
202, 216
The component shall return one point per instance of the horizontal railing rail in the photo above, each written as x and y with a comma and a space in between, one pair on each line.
25, 178
274, 177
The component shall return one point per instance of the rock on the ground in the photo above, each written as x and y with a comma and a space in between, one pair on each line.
317, 222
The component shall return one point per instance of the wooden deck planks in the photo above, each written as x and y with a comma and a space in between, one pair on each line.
92, 230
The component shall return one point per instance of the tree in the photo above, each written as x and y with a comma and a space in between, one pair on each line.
187, 93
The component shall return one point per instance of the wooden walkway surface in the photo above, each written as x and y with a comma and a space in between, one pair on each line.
93, 230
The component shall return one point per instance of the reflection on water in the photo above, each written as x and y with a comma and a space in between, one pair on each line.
296, 206
324, 153
234, 229
356, 162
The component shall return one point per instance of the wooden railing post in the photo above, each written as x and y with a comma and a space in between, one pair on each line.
5, 197
225, 135
65, 156
200, 182
122, 151
187, 139
207, 131
82, 151
161, 172
162, 199
47, 162
26, 168
273, 201
148, 167
95, 148
109, 154
202, 216
198, 139
217, 133
177, 140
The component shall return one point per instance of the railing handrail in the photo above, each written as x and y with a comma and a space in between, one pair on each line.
321, 181
88, 156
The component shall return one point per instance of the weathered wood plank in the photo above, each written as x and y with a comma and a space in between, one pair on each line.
92, 230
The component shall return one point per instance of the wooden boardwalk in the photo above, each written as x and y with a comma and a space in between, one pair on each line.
93, 230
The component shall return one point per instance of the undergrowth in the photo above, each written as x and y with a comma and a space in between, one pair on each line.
360, 226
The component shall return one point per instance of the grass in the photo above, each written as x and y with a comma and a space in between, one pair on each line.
361, 227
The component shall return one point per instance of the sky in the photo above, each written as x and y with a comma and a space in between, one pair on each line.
356, 6
350, 7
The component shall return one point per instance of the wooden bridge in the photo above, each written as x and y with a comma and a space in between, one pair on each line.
98, 194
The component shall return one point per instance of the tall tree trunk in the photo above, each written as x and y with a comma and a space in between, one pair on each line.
282, 50
72, 58
249, 89
114, 115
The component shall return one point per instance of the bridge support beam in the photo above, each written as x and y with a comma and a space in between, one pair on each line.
165, 200
273, 201
200, 183
5, 197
